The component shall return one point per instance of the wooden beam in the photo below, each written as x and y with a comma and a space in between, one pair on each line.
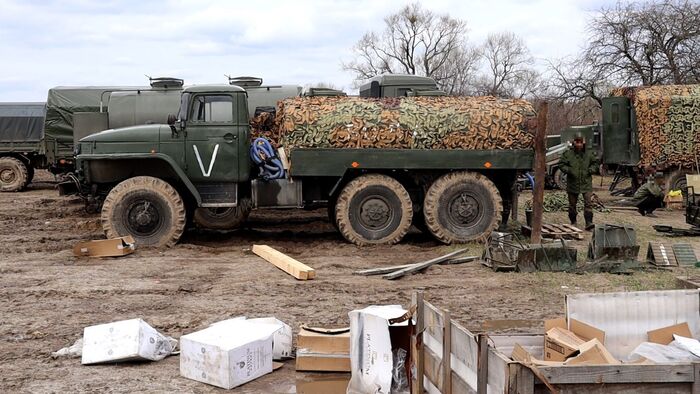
619, 374
285, 263
417, 344
447, 352
482, 375
538, 187
423, 265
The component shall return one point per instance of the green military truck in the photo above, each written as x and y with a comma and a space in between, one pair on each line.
152, 181
21, 126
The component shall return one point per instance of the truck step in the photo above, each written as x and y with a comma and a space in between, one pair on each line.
215, 195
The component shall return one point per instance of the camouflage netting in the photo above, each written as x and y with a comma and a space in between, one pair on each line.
667, 118
403, 123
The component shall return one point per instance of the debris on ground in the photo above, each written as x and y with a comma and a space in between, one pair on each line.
125, 340
113, 247
229, 353
559, 202
401, 270
507, 252
73, 351
285, 263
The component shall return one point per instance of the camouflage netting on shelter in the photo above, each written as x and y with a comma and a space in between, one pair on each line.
401, 123
667, 122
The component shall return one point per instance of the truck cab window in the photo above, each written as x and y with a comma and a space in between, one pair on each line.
213, 109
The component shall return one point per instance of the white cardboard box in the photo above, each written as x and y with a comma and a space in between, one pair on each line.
281, 340
123, 341
229, 354
371, 359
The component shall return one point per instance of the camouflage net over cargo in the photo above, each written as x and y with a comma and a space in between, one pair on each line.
401, 123
667, 119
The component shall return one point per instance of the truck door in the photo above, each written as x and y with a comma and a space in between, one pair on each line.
212, 139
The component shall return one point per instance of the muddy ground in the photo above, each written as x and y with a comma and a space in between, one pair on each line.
47, 296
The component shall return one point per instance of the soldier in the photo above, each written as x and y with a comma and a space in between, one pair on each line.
650, 195
579, 164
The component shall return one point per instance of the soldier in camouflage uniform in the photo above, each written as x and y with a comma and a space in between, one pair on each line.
579, 164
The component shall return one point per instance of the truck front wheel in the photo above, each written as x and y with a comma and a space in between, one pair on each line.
147, 208
461, 207
13, 174
373, 209
228, 218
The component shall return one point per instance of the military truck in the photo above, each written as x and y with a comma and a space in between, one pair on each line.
152, 181
399, 85
71, 113
21, 126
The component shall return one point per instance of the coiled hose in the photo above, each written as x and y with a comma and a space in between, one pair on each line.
264, 156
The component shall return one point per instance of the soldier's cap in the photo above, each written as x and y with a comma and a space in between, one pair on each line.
578, 137
658, 175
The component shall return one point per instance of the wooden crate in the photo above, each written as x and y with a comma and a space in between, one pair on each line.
450, 359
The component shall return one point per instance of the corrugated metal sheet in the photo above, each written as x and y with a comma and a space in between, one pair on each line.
627, 316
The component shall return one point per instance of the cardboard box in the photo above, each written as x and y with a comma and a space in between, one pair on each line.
105, 247
372, 339
228, 355
281, 339
322, 362
329, 341
124, 341
323, 385
664, 335
674, 202
592, 353
561, 343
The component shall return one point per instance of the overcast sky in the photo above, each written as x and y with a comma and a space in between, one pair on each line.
85, 42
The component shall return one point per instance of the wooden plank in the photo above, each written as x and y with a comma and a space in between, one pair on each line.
464, 355
521, 380
619, 374
392, 268
417, 343
433, 322
459, 385
696, 382
419, 267
482, 365
285, 263
447, 352
433, 368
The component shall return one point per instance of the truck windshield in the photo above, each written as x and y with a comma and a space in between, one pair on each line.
184, 100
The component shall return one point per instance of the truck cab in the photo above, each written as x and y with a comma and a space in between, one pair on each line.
399, 85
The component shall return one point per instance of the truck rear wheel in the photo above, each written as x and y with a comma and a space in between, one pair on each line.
13, 174
147, 208
461, 207
228, 218
373, 209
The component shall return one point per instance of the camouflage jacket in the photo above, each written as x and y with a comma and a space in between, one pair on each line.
579, 168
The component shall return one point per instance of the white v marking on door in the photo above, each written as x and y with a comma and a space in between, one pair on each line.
211, 163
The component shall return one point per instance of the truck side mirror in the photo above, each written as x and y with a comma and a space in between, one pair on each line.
171, 122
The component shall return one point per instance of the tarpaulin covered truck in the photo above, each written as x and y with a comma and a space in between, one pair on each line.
377, 164
71, 113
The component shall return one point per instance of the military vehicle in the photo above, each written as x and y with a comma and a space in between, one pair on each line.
21, 126
71, 113
151, 181
399, 85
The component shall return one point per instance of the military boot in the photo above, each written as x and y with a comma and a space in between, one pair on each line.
589, 220
572, 218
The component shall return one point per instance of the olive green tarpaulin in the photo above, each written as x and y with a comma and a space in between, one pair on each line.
400, 123
668, 118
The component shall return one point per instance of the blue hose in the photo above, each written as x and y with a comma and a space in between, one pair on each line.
531, 179
264, 156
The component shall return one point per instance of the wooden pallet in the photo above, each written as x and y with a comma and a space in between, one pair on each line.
557, 231
661, 255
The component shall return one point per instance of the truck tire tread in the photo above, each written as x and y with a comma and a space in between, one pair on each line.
432, 208
164, 190
233, 218
342, 209
19, 169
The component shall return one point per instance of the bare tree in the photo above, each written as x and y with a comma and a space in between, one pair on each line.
415, 41
639, 43
509, 67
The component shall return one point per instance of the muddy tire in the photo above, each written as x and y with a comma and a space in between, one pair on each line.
13, 174
229, 218
676, 180
147, 208
373, 209
461, 207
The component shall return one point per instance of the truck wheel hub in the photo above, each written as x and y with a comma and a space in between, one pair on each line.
7, 175
143, 217
375, 212
464, 209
